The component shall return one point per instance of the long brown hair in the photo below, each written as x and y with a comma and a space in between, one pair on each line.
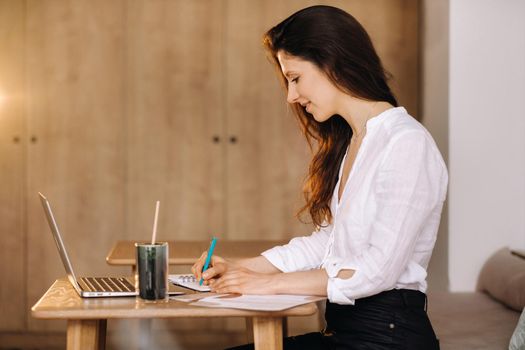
336, 43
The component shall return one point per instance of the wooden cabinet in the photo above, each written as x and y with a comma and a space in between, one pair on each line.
111, 105
13, 141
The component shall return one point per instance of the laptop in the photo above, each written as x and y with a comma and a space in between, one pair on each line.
87, 287
90, 287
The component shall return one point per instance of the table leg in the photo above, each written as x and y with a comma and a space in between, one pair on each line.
249, 330
268, 333
86, 334
144, 333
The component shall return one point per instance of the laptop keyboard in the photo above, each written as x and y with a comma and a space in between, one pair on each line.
108, 284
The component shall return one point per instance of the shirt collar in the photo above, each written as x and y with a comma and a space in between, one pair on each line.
380, 118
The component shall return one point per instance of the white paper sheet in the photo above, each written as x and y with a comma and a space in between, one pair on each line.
257, 302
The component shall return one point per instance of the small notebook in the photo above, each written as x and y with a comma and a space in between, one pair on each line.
188, 281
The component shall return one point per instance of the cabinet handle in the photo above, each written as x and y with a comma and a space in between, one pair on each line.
216, 139
33, 139
233, 139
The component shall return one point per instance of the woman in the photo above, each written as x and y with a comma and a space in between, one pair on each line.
375, 190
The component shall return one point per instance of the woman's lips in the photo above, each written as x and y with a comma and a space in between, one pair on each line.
307, 107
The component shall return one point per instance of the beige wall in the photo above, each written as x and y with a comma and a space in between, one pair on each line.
486, 128
434, 82
473, 78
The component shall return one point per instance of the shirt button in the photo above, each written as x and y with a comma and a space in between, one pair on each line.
392, 326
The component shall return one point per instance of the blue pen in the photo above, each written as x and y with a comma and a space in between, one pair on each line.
208, 258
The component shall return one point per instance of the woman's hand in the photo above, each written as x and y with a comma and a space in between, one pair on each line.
196, 269
225, 276
233, 278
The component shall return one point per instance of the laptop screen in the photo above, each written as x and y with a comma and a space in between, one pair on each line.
58, 239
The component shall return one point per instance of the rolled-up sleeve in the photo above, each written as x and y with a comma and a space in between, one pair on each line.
301, 253
408, 192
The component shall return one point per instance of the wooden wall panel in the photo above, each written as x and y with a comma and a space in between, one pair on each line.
75, 65
393, 26
12, 166
174, 110
265, 167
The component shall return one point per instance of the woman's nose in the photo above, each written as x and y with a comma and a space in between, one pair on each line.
292, 94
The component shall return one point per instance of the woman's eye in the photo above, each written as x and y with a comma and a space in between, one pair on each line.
295, 80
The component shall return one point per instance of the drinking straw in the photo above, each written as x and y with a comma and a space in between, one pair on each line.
155, 223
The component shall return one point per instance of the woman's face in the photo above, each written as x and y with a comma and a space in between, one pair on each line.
309, 86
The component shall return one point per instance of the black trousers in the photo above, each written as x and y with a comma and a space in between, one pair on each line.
395, 319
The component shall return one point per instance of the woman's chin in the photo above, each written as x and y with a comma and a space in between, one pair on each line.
320, 117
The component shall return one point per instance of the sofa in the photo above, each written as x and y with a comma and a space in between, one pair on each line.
487, 318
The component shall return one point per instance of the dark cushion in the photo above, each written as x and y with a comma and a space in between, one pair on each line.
503, 278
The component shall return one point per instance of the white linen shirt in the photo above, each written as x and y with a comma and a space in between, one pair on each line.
385, 225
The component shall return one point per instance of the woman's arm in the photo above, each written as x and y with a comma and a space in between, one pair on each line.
258, 264
239, 279
244, 281
301, 253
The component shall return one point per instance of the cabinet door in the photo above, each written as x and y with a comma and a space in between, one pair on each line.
75, 95
12, 166
267, 164
174, 111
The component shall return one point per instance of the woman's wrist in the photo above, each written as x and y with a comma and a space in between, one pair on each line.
258, 264
277, 282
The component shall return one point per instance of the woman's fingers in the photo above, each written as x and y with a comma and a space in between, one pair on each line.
216, 270
212, 271
197, 266
196, 269
231, 282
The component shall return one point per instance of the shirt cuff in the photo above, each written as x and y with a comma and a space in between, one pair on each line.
335, 287
335, 294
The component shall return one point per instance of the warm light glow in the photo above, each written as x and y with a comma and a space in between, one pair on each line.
2, 98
